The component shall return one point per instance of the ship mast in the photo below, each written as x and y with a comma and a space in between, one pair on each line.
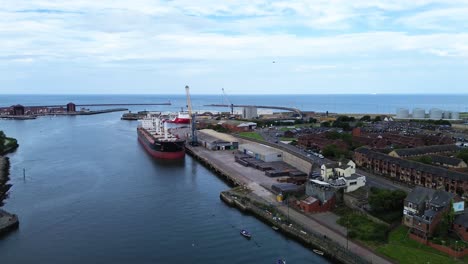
189, 101
193, 125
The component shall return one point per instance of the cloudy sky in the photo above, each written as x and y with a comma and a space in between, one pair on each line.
243, 46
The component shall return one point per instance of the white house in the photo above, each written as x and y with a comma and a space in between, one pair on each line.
342, 168
354, 182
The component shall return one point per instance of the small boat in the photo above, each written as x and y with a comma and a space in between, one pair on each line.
281, 261
275, 228
245, 233
318, 252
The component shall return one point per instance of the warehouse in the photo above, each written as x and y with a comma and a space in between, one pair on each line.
261, 152
213, 140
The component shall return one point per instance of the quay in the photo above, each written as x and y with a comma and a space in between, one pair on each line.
8, 222
318, 236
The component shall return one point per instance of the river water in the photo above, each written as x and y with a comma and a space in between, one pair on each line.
92, 195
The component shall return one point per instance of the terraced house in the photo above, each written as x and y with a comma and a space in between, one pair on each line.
412, 172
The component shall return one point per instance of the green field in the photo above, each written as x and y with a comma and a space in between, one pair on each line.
287, 139
253, 135
405, 250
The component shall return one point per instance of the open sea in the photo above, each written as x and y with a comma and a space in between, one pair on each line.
356, 103
92, 195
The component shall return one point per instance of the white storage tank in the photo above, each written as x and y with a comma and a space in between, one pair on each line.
435, 114
455, 115
402, 113
419, 113
446, 114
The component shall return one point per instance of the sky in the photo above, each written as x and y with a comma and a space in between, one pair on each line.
243, 46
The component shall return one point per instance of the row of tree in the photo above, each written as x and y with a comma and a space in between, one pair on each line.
6, 143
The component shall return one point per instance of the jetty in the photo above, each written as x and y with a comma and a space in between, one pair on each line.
8, 222
252, 195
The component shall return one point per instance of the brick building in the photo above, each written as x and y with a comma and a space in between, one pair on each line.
460, 225
424, 150
423, 209
411, 172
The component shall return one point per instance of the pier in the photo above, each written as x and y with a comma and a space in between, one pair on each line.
257, 196
8, 222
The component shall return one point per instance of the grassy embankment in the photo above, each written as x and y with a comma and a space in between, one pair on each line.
397, 245
252, 135
405, 250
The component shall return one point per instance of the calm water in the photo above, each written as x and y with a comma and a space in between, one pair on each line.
364, 103
92, 195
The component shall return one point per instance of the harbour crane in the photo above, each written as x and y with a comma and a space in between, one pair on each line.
193, 125
228, 102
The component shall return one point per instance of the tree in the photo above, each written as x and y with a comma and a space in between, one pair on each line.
330, 150
2, 142
382, 200
377, 119
463, 154
365, 118
325, 124
312, 120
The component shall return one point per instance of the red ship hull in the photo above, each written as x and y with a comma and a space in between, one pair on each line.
161, 155
173, 149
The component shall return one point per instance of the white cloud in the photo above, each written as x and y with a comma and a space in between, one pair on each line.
195, 38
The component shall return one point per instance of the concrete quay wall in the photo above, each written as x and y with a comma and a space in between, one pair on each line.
312, 240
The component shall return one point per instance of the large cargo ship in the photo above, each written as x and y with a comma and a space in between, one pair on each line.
155, 136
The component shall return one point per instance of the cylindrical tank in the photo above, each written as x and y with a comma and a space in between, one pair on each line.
435, 114
419, 113
402, 113
446, 114
455, 115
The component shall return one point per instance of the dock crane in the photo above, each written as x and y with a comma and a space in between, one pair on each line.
193, 125
228, 102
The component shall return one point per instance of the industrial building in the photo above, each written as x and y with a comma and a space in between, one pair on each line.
261, 152
249, 112
434, 114
18, 110
71, 107
214, 140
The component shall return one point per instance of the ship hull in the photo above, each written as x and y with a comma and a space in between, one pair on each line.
158, 154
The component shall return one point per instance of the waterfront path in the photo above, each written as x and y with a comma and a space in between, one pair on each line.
256, 180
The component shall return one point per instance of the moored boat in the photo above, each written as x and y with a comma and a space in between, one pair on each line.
318, 252
245, 233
